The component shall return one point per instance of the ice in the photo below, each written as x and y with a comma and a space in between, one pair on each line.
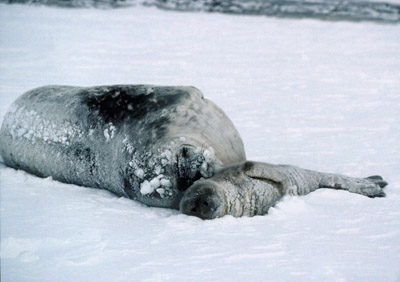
320, 95
165, 182
146, 187
155, 183
139, 173
109, 131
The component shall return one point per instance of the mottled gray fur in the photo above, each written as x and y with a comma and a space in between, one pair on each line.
251, 188
145, 142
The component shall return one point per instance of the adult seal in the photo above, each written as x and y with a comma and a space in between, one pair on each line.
251, 188
144, 142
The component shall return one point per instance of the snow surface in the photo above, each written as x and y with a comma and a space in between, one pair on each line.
320, 95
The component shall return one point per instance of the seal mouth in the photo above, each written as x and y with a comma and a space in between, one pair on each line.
201, 201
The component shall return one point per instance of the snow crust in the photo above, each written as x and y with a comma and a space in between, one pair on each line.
319, 95
109, 132
158, 183
34, 127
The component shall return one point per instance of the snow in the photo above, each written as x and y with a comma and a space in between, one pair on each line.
158, 183
139, 173
320, 95
34, 127
109, 132
146, 188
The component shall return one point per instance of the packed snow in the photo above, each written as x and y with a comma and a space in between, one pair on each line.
320, 95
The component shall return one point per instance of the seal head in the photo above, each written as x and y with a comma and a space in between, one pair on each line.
203, 199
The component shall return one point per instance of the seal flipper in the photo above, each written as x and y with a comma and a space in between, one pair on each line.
268, 173
371, 186
293, 180
263, 171
377, 179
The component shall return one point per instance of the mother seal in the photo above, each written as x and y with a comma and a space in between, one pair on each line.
144, 142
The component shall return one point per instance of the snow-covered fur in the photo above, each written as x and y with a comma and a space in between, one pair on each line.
148, 143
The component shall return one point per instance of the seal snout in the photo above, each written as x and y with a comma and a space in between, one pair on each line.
200, 201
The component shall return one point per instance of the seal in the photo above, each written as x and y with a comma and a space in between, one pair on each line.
251, 188
144, 142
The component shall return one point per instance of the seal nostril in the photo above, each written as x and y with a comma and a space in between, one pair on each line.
205, 203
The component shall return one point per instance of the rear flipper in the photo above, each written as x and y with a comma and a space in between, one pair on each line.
371, 186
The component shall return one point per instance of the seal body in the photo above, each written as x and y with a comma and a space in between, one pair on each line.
251, 188
144, 142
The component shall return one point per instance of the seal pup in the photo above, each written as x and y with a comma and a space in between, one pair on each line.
144, 142
251, 188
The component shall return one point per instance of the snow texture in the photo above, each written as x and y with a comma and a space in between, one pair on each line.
319, 95
34, 127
